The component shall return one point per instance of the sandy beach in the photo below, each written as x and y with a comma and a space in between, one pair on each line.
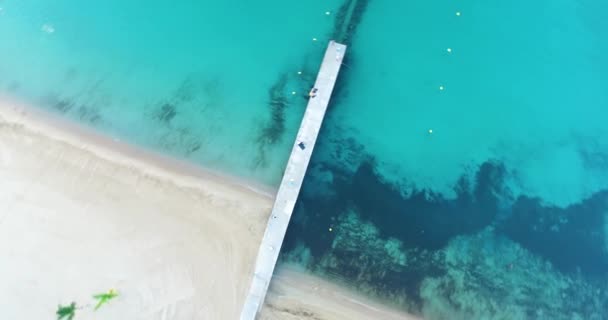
78, 218
81, 214
297, 295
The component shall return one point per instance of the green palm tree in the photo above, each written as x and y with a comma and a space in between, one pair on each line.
105, 297
66, 312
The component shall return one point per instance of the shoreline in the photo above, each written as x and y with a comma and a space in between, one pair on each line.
70, 189
81, 214
297, 294
120, 151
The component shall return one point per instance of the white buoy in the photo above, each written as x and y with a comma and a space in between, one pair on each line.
47, 28
441, 88
458, 13
314, 39
430, 131
299, 72
327, 13
330, 229
293, 92
449, 50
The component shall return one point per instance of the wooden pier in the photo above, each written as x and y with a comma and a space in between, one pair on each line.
292, 179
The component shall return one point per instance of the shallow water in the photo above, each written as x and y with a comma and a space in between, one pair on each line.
182, 77
500, 212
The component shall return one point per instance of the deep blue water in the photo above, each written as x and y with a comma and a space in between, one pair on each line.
462, 170
502, 211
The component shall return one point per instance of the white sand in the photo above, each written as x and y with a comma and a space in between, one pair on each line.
80, 214
77, 219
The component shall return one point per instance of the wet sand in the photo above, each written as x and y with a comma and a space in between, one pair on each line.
297, 295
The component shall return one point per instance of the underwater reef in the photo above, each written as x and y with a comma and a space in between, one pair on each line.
278, 103
488, 276
195, 99
347, 20
480, 255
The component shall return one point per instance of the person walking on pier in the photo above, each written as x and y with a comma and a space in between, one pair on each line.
313, 92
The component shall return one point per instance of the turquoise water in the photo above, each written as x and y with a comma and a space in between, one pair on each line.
184, 77
499, 213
